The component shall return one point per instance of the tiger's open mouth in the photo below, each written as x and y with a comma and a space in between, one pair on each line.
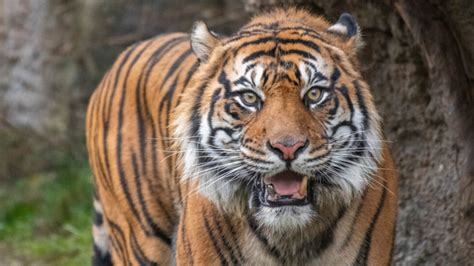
286, 188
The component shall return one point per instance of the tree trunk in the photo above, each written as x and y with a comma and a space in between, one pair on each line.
24, 108
54, 52
419, 63
40, 86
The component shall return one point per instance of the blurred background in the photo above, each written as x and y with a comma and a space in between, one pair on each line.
418, 60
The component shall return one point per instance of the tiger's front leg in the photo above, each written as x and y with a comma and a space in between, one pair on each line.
126, 239
205, 236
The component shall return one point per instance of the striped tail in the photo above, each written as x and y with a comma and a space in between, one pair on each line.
101, 254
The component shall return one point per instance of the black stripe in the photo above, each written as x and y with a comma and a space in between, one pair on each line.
98, 218
392, 248
314, 247
167, 99
322, 156
270, 249
121, 244
255, 159
265, 77
118, 251
315, 74
99, 259
306, 43
343, 124
187, 246
106, 114
117, 76
243, 81
157, 231
138, 253
214, 99
254, 150
234, 115
362, 106
177, 63
225, 242
277, 40
95, 158
356, 217
153, 61
141, 87
195, 116
189, 75
289, 79
337, 61
335, 76
297, 52
121, 170
225, 83
170, 92
333, 111
156, 58
345, 93
196, 113
245, 34
233, 235
363, 254
260, 53
222, 259
157, 55
358, 148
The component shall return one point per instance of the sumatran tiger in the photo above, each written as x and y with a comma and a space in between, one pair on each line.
260, 148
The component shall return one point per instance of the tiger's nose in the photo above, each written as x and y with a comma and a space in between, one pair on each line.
287, 149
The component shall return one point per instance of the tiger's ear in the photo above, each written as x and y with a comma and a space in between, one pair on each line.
203, 41
346, 28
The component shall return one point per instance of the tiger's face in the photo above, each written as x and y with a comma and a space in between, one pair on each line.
281, 123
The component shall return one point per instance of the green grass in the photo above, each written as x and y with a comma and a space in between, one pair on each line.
46, 218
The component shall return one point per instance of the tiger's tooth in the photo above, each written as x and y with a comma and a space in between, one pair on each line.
304, 186
271, 193
271, 190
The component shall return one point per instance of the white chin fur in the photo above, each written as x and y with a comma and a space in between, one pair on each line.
285, 218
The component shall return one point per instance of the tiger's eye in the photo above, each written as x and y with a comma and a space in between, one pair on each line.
249, 98
314, 94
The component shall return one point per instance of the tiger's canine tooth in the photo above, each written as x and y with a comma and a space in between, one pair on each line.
271, 189
303, 187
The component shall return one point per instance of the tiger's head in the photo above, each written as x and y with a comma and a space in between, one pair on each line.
278, 121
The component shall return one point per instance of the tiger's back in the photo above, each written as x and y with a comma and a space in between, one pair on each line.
166, 122
128, 137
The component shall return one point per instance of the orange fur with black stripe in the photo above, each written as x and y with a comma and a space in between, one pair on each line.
260, 148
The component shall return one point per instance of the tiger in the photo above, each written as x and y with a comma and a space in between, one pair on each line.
259, 148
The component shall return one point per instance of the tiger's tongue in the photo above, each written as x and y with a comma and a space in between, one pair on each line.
286, 183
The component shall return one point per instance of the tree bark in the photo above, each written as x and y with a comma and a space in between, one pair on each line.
24, 100
450, 81
40, 87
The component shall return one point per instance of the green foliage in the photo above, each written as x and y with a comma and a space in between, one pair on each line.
46, 218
